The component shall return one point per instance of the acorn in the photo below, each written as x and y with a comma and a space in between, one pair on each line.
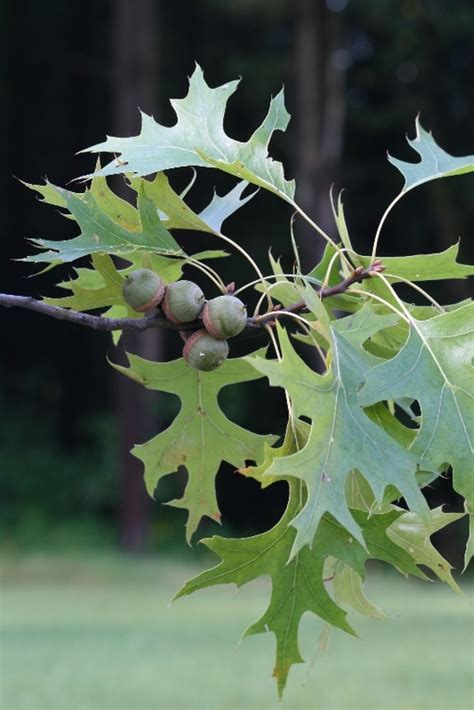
183, 301
224, 317
203, 352
143, 290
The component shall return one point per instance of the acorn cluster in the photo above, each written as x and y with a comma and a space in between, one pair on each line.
184, 302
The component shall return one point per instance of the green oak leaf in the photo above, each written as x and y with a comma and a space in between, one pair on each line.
327, 267
51, 195
198, 139
379, 545
340, 219
349, 591
435, 162
296, 436
409, 531
282, 289
201, 437
435, 368
349, 594
176, 214
413, 534
114, 207
118, 210
101, 234
99, 287
423, 267
342, 436
298, 585
173, 211
358, 492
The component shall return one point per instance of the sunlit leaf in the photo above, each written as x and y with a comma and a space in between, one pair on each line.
413, 534
100, 234
176, 214
198, 138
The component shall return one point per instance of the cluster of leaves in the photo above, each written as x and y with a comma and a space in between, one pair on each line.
390, 408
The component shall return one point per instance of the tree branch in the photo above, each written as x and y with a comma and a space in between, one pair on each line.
156, 320
358, 275
91, 321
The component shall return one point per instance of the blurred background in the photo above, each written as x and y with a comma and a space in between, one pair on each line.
356, 73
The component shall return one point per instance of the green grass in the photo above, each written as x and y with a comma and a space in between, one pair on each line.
96, 633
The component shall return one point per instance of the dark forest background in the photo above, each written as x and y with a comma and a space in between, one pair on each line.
356, 73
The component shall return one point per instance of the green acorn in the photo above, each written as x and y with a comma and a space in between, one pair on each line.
224, 316
203, 352
183, 301
143, 290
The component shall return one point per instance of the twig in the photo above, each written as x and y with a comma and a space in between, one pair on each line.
157, 320
359, 274
91, 321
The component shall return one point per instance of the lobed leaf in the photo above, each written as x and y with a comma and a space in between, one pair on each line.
435, 162
176, 214
413, 534
201, 437
198, 139
349, 592
342, 436
423, 267
298, 585
101, 234
435, 368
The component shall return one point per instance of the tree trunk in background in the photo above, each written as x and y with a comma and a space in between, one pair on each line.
320, 113
135, 80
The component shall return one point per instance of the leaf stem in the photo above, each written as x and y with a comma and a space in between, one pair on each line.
249, 259
309, 279
288, 313
316, 227
335, 256
289, 404
400, 314
381, 223
293, 242
210, 273
420, 290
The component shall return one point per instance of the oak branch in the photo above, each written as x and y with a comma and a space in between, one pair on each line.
156, 320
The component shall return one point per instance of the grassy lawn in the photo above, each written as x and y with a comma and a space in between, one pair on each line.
96, 633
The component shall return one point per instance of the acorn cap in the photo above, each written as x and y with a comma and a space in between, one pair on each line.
203, 352
143, 290
224, 316
183, 301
